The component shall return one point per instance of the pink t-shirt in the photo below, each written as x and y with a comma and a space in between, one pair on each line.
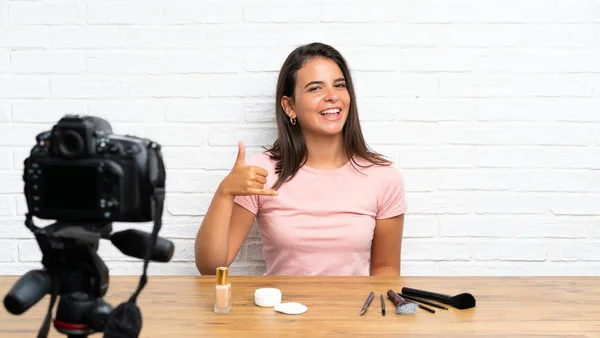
322, 222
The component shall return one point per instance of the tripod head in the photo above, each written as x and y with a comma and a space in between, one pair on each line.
74, 271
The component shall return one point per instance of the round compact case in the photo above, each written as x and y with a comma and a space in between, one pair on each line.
267, 297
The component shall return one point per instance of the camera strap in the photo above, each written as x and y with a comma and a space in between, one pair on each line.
125, 321
45, 329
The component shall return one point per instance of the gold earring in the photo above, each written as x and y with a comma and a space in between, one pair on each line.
293, 120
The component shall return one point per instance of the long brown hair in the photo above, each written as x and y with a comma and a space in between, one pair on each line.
289, 150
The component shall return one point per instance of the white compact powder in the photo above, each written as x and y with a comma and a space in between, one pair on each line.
267, 297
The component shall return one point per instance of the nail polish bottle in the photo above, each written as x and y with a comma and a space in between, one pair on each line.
222, 291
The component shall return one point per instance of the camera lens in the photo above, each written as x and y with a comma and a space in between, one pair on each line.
70, 143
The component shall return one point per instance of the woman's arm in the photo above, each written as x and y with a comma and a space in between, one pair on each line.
226, 224
387, 246
222, 233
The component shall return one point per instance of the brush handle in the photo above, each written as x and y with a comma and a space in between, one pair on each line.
425, 308
415, 299
395, 298
426, 294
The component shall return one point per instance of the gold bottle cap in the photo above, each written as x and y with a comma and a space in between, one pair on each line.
222, 274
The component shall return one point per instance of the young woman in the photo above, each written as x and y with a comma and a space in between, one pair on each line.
325, 203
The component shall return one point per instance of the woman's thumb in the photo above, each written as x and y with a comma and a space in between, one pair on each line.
241, 156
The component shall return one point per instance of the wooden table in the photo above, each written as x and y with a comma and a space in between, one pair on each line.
506, 307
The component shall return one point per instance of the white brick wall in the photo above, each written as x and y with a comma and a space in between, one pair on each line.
490, 107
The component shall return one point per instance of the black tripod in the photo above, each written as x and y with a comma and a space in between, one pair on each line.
74, 272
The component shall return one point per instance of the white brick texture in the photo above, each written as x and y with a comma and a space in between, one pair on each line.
491, 109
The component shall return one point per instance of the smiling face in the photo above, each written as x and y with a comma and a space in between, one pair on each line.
321, 100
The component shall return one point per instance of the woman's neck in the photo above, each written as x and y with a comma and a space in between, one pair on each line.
326, 153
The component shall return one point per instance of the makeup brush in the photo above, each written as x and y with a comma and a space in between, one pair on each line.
403, 307
415, 299
461, 301
367, 303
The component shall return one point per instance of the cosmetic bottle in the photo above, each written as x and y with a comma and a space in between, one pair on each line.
222, 291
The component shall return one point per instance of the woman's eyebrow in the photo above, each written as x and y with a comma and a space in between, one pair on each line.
321, 82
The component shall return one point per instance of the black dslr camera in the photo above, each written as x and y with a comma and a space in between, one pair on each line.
85, 177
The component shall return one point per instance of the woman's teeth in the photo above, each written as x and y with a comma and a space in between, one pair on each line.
330, 111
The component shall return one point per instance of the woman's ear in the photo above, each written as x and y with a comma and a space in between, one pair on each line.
287, 104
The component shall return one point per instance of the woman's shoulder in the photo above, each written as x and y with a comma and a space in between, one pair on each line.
375, 167
385, 173
390, 188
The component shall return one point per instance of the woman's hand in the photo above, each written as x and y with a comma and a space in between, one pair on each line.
245, 179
